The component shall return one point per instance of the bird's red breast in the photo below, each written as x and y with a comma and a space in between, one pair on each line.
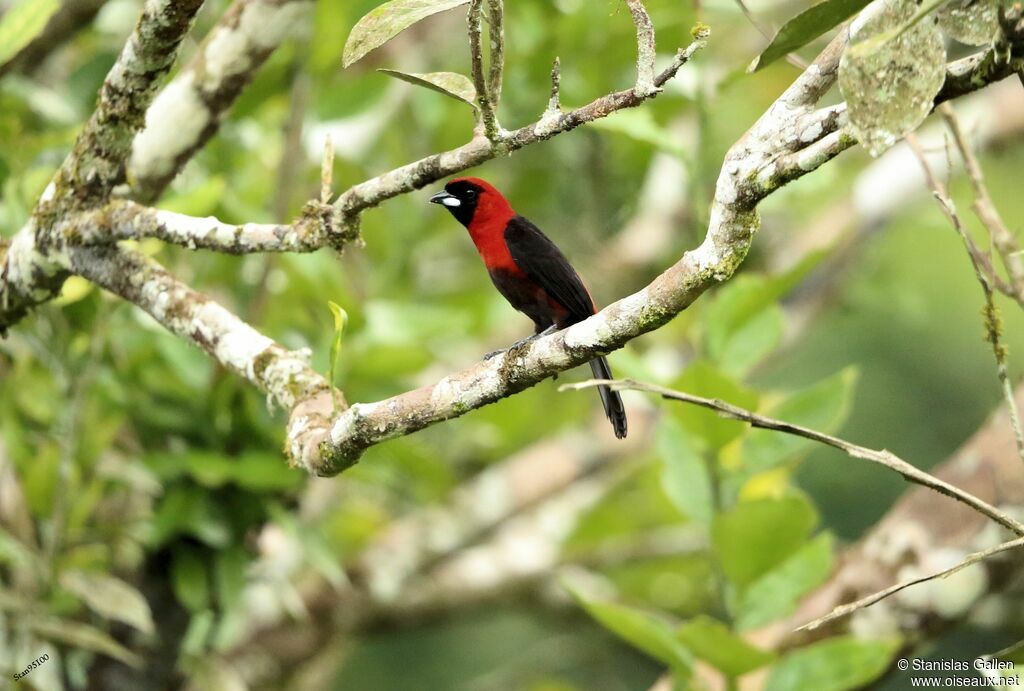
487, 229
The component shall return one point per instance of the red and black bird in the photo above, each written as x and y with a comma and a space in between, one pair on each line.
528, 270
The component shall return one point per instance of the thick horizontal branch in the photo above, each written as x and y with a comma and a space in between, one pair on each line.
884, 458
188, 112
319, 225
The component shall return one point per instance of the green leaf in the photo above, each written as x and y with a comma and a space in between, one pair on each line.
111, 598
836, 664
713, 642
340, 322
805, 27
191, 510
190, 580
823, 406
85, 637
21, 23
450, 84
265, 472
775, 594
229, 575
1014, 654
743, 323
643, 630
382, 24
751, 342
891, 72
702, 378
684, 475
756, 536
974, 22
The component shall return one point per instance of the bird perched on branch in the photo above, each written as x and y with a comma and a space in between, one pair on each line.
528, 270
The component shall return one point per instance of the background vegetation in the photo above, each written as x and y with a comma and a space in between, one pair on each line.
127, 453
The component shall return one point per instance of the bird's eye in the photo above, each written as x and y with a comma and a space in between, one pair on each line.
470, 194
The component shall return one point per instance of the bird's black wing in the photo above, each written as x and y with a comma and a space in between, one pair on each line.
545, 265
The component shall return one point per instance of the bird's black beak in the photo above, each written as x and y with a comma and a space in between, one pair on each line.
446, 199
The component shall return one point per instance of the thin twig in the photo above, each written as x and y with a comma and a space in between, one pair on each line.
1005, 242
882, 457
496, 32
327, 171
985, 275
488, 120
555, 102
850, 608
646, 50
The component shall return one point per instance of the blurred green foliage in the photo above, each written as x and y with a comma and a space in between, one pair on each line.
127, 457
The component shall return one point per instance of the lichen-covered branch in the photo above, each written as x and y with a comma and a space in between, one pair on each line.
188, 112
646, 51
789, 130
33, 267
320, 225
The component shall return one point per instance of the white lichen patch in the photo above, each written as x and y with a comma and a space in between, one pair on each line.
235, 343
173, 124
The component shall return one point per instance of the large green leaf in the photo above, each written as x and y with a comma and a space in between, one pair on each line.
684, 475
805, 27
78, 635
702, 378
383, 23
190, 579
756, 536
823, 406
891, 72
451, 84
836, 664
643, 630
110, 597
713, 642
21, 23
775, 594
743, 323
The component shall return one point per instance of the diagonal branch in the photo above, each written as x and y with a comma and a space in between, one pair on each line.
983, 270
189, 110
970, 560
884, 458
33, 269
284, 375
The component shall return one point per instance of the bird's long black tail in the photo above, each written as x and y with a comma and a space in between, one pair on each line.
611, 400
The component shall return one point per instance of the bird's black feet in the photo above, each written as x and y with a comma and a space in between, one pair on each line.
522, 341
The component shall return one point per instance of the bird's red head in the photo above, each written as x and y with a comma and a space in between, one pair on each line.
475, 203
